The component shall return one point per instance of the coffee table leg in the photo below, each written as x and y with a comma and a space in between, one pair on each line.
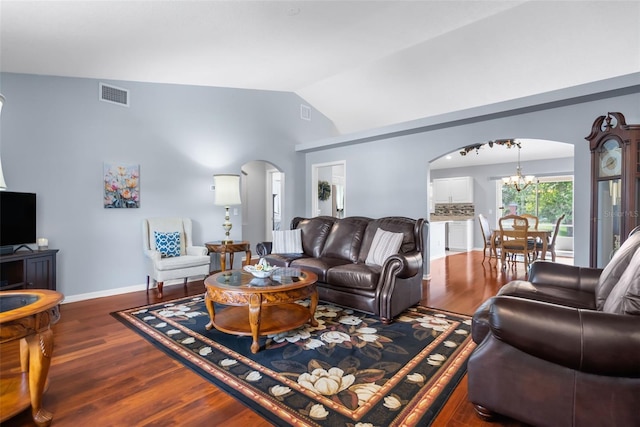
212, 312
312, 308
40, 349
255, 305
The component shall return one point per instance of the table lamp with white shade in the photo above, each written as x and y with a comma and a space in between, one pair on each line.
227, 188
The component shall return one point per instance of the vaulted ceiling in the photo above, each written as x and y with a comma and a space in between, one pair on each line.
363, 64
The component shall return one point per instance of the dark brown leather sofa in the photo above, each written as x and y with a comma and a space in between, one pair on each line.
336, 250
562, 349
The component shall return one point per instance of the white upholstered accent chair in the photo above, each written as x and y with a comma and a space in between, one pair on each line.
192, 260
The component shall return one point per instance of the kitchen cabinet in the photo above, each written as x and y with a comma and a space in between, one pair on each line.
460, 235
453, 190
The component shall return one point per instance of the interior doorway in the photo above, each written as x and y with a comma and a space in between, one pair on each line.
275, 184
328, 189
260, 180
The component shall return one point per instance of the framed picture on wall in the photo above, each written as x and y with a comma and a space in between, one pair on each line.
121, 186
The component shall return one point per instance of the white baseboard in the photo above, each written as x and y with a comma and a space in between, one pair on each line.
119, 291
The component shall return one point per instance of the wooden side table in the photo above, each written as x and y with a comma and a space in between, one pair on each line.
27, 315
229, 248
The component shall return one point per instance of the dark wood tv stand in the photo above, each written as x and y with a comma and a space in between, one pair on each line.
28, 270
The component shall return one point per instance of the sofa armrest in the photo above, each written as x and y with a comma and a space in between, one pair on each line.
152, 254
197, 250
584, 340
407, 265
566, 276
263, 248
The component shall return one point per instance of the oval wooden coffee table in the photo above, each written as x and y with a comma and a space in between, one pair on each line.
261, 306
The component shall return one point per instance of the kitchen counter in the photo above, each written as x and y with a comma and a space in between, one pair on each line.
438, 218
450, 232
437, 239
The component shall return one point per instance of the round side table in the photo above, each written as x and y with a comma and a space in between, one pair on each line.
27, 315
229, 248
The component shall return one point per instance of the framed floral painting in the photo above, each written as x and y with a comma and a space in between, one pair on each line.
121, 186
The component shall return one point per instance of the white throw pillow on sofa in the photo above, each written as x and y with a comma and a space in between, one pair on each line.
384, 244
287, 241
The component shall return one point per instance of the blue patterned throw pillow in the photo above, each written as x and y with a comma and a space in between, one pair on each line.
168, 244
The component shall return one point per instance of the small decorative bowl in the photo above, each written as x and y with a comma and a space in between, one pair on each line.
261, 274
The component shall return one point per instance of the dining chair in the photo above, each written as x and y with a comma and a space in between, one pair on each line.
533, 225
532, 219
488, 234
551, 242
514, 239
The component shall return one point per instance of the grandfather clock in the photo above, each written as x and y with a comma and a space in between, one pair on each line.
615, 184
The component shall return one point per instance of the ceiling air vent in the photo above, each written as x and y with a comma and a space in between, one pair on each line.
114, 95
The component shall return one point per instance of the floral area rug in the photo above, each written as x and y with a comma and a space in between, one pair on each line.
351, 370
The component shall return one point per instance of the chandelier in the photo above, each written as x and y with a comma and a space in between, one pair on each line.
518, 181
509, 143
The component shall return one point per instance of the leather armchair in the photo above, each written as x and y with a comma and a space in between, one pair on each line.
564, 347
193, 260
552, 365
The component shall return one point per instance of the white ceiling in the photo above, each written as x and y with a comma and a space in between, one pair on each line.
363, 64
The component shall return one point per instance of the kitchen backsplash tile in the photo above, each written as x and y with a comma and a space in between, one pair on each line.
454, 209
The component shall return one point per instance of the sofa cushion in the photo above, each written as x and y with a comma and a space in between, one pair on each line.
354, 276
282, 260
345, 239
385, 244
624, 298
287, 241
548, 293
320, 266
394, 224
314, 233
614, 270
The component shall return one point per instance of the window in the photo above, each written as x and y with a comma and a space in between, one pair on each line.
548, 199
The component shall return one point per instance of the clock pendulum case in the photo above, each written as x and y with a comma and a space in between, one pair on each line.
615, 184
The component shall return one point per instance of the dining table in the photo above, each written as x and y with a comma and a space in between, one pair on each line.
533, 233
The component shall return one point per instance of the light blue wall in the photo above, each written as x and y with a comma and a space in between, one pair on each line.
56, 134
389, 174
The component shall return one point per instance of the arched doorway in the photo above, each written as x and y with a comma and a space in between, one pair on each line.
262, 187
549, 161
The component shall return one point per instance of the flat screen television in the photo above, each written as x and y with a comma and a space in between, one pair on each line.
17, 218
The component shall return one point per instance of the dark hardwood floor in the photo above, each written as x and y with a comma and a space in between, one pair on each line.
103, 374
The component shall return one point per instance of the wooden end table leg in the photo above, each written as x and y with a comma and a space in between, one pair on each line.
223, 261
212, 313
247, 260
40, 349
255, 305
312, 308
